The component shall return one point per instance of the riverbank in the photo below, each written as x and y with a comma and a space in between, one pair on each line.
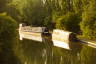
80, 37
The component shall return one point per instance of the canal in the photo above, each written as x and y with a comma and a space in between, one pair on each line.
15, 51
34, 52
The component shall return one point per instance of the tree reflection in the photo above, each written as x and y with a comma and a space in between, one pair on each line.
33, 52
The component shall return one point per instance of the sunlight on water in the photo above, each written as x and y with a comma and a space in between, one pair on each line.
61, 44
25, 63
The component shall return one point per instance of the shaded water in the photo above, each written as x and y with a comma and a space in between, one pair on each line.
33, 52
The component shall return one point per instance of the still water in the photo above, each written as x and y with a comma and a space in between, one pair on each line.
15, 51
34, 52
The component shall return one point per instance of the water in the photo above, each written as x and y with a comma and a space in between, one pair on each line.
33, 52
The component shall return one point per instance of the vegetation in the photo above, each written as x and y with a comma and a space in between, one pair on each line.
88, 24
78, 16
8, 37
61, 14
69, 22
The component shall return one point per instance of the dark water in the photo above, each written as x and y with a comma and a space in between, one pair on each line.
14, 51
33, 52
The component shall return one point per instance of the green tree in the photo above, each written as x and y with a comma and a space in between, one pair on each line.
31, 11
69, 22
88, 24
3, 5
8, 37
10, 9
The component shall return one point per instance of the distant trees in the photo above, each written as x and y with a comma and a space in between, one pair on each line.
65, 15
75, 15
61, 14
32, 11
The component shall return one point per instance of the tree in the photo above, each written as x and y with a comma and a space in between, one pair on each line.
88, 24
8, 37
32, 11
3, 5
69, 22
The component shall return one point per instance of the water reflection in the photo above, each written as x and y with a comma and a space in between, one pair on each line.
33, 52
7, 48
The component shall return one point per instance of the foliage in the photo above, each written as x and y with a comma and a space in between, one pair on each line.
7, 22
8, 37
88, 24
3, 5
32, 11
66, 14
69, 22
10, 9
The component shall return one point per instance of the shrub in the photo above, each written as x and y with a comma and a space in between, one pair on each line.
7, 25
69, 22
88, 25
8, 37
48, 22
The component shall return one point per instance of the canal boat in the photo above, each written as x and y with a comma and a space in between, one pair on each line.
63, 38
33, 33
